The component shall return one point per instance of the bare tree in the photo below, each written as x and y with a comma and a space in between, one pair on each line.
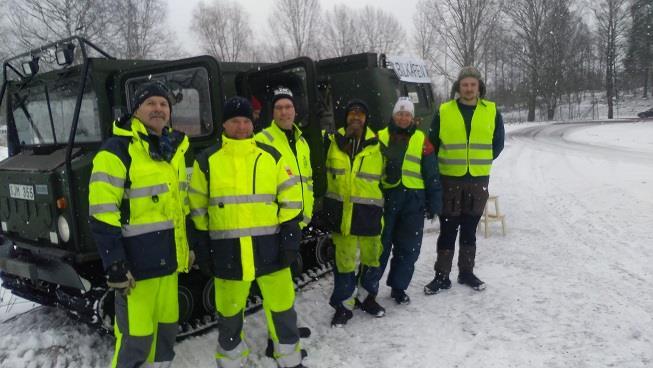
141, 30
560, 36
528, 17
465, 24
425, 36
611, 17
380, 31
340, 35
126, 28
223, 30
35, 22
295, 21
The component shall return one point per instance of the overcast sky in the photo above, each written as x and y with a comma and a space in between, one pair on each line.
180, 12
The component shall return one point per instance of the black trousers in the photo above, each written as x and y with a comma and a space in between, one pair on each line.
463, 205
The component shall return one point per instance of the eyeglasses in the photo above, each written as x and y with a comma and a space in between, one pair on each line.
283, 107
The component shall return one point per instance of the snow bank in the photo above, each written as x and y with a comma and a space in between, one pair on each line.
568, 286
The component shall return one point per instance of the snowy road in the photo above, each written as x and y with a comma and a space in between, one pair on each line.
568, 286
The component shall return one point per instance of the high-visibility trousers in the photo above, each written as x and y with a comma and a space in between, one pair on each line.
146, 322
278, 291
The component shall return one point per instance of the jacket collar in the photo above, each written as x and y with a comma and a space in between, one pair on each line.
278, 130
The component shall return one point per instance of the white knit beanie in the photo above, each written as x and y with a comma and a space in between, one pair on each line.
404, 104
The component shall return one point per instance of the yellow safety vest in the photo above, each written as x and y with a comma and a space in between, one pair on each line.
300, 164
457, 155
353, 203
411, 168
146, 198
240, 192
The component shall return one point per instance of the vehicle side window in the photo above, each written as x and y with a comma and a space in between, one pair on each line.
190, 95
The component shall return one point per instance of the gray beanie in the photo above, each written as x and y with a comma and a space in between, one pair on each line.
469, 71
466, 72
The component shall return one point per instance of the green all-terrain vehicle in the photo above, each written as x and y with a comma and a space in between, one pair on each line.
59, 102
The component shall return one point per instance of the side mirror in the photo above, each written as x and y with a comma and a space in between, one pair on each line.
65, 54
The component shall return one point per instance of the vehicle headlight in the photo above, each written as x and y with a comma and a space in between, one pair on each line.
64, 229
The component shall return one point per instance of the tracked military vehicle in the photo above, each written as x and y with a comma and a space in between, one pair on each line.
59, 102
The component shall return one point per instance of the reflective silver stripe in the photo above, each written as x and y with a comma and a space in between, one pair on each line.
135, 230
454, 146
291, 205
267, 135
195, 191
334, 171
306, 179
310, 187
246, 198
239, 233
411, 174
288, 183
288, 355
452, 161
363, 175
198, 212
146, 191
183, 186
372, 201
102, 208
234, 358
106, 178
480, 146
306, 219
333, 195
413, 158
475, 161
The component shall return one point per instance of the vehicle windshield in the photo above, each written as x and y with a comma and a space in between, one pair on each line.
43, 113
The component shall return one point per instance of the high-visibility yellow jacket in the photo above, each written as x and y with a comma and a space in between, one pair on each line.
139, 204
411, 168
299, 163
456, 154
244, 194
353, 204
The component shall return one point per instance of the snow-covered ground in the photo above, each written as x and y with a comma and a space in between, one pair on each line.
592, 106
568, 286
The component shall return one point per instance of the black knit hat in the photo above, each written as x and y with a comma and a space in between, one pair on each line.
237, 106
148, 90
280, 93
357, 103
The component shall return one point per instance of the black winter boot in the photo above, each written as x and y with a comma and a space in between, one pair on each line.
400, 296
341, 317
440, 282
468, 278
371, 306
466, 262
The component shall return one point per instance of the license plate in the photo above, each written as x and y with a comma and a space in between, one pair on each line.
21, 191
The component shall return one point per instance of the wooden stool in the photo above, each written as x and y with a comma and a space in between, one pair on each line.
492, 216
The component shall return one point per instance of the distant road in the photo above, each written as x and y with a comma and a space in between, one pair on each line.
555, 137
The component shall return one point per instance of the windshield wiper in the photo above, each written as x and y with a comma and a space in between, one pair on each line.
21, 104
47, 99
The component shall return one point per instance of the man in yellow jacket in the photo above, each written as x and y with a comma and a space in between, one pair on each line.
468, 135
353, 207
138, 205
284, 135
246, 205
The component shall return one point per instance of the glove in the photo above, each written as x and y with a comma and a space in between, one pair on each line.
290, 237
288, 257
191, 259
119, 278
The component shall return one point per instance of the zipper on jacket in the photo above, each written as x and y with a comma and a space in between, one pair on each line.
254, 174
